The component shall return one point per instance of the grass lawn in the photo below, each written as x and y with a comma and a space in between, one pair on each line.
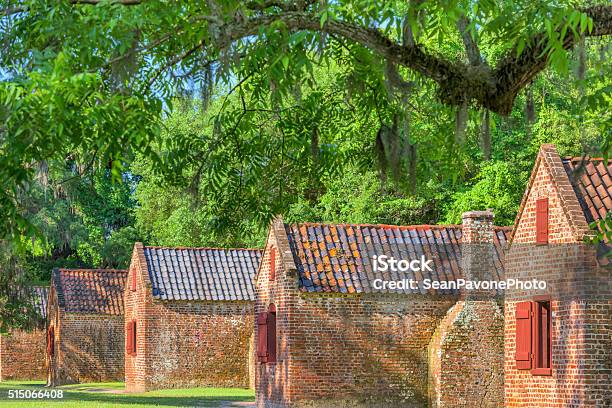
110, 395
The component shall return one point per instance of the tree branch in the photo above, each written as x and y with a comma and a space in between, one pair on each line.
262, 5
414, 57
174, 61
514, 72
457, 82
96, 2
21, 9
12, 10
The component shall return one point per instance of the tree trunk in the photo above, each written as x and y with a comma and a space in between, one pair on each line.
486, 135
461, 118
412, 168
529, 110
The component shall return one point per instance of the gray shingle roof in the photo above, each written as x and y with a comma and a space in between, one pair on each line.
202, 273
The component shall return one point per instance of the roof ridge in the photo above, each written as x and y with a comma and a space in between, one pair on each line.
408, 227
202, 248
415, 226
90, 270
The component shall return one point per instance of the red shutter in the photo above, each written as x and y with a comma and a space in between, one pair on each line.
129, 339
542, 221
134, 337
271, 337
273, 264
262, 337
523, 335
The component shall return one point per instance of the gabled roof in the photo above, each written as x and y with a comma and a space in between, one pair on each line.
548, 157
93, 291
338, 257
202, 273
592, 183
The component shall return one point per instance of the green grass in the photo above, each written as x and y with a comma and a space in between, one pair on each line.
101, 395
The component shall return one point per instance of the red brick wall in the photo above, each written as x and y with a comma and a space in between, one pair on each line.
466, 357
134, 306
185, 343
22, 355
580, 300
351, 349
88, 348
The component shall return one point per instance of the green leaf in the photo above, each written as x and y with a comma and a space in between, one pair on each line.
583, 22
324, 17
520, 47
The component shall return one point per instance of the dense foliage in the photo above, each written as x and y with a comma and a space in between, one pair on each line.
195, 124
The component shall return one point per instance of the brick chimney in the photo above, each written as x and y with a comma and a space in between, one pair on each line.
477, 227
467, 349
478, 250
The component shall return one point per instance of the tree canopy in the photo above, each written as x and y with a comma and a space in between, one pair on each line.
194, 122
90, 78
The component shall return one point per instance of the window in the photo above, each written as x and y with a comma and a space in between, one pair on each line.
271, 334
51, 342
542, 338
533, 348
273, 264
130, 339
266, 336
542, 221
133, 279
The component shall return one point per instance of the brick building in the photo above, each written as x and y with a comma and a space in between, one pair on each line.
327, 334
85, 326
22, 352
189, 317
559, 339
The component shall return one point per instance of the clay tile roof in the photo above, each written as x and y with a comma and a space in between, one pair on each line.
95, 291
592, 182
202, 273
337, 257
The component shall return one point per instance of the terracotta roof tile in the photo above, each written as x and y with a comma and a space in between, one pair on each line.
202, 273
96, 291
590, 178
343, 263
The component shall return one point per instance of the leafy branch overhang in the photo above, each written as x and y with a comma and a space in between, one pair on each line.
493, 88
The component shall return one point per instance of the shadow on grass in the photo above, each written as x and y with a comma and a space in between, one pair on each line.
195, 397
169, 401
